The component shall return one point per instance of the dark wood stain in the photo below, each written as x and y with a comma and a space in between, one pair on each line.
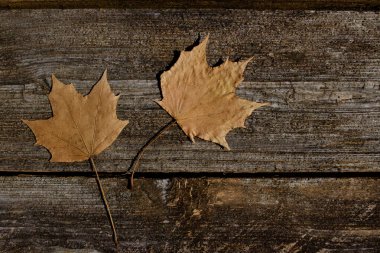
53, 214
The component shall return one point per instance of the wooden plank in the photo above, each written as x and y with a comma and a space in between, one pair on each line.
320, 71
137, 44
312, 133
231, 4
43, 214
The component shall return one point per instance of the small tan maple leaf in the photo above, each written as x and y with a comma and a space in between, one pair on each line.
81, 126
202, 99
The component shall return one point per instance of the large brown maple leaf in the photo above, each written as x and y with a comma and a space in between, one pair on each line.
202, 99
81, 126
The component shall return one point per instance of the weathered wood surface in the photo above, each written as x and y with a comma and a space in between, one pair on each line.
320, 70
50, 214
234, 4
137, 44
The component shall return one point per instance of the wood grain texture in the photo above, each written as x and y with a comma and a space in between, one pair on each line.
53, 214
320, 71
137, 44
303, 135
231, 4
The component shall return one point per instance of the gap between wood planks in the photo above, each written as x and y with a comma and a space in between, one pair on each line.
230, 4
155, 175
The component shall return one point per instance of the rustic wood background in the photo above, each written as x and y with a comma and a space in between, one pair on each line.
302, 177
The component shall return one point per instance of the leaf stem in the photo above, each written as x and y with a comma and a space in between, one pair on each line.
136, 160
106, 205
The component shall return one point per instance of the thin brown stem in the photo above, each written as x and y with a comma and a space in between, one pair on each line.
136, 160
106, 205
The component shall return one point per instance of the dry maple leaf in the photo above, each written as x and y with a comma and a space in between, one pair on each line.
202, 99
81, 126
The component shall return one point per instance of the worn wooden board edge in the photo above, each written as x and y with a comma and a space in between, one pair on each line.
58, 214
235, 4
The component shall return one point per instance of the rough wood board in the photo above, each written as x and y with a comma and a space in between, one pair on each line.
234, 4
320, 70
311, 133
137, 44
43, 214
